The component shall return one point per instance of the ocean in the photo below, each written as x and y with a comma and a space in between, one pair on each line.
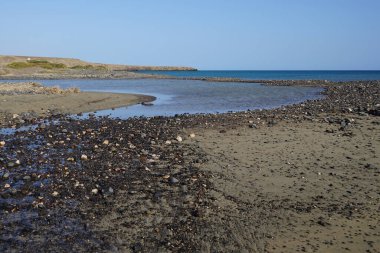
340, 75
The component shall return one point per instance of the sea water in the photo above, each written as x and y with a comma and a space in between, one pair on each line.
341, 75
184, 96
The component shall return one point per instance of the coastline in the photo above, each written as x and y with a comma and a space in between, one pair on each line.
246, 181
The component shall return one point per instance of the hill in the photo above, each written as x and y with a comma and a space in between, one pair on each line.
12, 67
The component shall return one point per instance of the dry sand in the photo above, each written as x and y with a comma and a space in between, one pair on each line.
18, 98
294, 187
68, 103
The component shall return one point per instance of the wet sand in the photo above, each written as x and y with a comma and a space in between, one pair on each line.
301, 178
294, 187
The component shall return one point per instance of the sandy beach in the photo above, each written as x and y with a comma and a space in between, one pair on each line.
300, 178
20, 101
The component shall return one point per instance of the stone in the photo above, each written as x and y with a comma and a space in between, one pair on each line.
6, 175
192, 135
106, 142
174, 180
55, 193
179, 138
147, 103
84, 157
95, 191
2, 143
27, 178
168, 142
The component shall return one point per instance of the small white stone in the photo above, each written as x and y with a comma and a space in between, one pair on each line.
179, 138
168, 142
84, 157
106, 142
192, 135
55, 194
7, 186
2, 143
95, 191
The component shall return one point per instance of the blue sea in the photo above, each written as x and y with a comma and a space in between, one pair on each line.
340, 75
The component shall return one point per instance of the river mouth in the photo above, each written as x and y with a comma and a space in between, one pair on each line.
192, 96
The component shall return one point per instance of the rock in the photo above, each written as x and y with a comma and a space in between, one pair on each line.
110, 190
14, 116
272, 122
147, 103
370, 166
27, 178
6, 175
7, 186
252, 126
179, 138
168, 142
55, 194
95, 191
2, 143
174, 180
42, 126
106, 142
192, 135
374, 112
84, 157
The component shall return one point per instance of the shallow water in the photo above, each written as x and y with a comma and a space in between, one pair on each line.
183, 96
341, 75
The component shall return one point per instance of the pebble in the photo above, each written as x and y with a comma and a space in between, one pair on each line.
55, 193
2, 143
174, 180
192, 135
179, 138
6, 175
168, 142
106, 142
95, 191
27, 178
7, 186
84, 157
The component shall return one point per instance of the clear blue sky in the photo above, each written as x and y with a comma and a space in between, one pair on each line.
207, 34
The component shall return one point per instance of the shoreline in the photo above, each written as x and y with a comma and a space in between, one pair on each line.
239, 181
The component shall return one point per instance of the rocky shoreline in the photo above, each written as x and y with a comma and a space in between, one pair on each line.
138, 185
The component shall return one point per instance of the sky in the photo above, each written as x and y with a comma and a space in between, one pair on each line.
206, 34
